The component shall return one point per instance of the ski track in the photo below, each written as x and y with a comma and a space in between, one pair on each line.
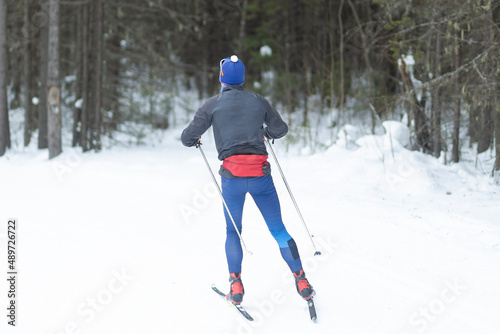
389, 250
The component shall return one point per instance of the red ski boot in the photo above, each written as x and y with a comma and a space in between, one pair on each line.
236, 290
304, 289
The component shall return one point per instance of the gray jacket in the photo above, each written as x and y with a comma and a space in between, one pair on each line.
238, 119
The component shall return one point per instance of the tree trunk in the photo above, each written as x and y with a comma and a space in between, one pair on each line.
84, 142
42, 103
4, 112
436, 103
243, 21
494, 35
473, 119
77, 108
455, 153
53, 83
485, 133
96, 76
113, 80
496, 121
341, 56
496, 168
16, 80
332, 69
288, 74
96, 101
417, 108
486, 113
28, 56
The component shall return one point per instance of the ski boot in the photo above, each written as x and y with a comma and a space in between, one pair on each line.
304, 289
236, 290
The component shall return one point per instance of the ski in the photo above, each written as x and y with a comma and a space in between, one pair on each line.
237, 307
312, 309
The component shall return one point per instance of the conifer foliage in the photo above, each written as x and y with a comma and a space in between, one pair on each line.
433, 64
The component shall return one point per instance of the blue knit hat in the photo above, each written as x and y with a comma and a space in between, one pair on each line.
232, 71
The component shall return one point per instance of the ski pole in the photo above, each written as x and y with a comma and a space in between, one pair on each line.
222, 197
316, 252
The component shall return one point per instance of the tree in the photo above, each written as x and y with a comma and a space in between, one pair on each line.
87, 126
81, 58
83, 76
4, 112
28, 35
44, 64
436, 102
326, 55
494, 14
111, 92
455, 153
95, 88
53, 83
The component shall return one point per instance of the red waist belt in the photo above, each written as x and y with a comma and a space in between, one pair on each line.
246, 165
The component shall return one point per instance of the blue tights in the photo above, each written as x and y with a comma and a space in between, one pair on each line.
264, 194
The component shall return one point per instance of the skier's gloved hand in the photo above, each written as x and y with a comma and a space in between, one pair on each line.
193, 143
267, 134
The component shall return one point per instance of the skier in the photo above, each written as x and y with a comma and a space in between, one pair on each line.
238, 119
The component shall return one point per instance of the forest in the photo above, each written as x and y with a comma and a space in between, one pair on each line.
108, 65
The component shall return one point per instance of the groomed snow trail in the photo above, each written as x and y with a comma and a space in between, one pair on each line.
130, 240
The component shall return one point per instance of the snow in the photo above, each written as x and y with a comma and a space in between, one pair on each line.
129, 240
79, 103
408, 59
265, 50
348, 134
398, 132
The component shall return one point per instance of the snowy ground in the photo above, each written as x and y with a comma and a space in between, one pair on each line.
129, 240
